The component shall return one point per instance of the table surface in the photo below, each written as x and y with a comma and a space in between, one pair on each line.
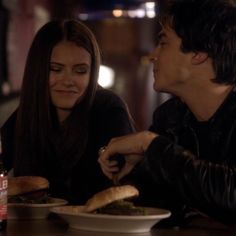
58, 227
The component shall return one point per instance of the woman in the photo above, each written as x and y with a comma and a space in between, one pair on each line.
63, 117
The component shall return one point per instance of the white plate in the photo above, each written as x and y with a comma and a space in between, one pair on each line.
110, 223
32, 211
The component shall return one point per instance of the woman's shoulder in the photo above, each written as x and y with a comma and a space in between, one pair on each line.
107, 98
10, 122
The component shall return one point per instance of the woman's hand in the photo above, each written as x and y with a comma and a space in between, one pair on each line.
132, 147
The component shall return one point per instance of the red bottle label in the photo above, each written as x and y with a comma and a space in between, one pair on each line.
3, 197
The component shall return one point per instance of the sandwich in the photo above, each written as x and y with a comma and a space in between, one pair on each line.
28, 189
114, 201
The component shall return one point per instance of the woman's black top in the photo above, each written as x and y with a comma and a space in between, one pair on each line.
108, 118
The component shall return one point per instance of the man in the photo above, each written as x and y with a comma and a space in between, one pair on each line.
190, 150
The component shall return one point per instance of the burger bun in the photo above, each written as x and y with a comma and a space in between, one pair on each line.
110, 195
26, 184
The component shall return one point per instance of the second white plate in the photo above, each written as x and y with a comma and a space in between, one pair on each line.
32, 211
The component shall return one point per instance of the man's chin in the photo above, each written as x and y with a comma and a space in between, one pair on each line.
160, 89
156, 87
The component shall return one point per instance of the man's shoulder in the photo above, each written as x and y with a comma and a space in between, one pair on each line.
169, 114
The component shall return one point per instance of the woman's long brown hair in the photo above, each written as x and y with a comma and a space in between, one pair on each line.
37, 125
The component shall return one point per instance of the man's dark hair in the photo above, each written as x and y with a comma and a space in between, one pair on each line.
207, 26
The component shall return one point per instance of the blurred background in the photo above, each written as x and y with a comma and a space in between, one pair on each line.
126, 31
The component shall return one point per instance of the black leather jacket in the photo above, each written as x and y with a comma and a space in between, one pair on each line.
193, 163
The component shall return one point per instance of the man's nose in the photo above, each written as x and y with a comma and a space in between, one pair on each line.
152, 58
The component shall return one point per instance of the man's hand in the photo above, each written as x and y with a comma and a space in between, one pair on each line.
132, 147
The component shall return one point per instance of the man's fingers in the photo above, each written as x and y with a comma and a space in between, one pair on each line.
110, 169
107, 173
124, 171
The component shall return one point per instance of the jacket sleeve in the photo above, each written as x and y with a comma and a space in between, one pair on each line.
205, 186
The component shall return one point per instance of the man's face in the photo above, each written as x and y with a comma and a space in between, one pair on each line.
171, 67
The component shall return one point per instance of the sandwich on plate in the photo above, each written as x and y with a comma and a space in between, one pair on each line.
28, 189
114, 201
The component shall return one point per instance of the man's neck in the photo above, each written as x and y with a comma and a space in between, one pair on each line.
205, 101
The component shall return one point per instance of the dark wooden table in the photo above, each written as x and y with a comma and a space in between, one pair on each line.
58, 227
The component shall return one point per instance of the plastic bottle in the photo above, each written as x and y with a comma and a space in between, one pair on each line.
3, 193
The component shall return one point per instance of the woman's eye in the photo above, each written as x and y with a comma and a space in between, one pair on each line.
81, 70
55, 69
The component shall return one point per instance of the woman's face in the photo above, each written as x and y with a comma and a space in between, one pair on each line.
69, 77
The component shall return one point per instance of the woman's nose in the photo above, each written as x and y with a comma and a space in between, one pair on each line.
68, 78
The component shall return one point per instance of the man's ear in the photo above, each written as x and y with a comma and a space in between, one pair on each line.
199, 57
